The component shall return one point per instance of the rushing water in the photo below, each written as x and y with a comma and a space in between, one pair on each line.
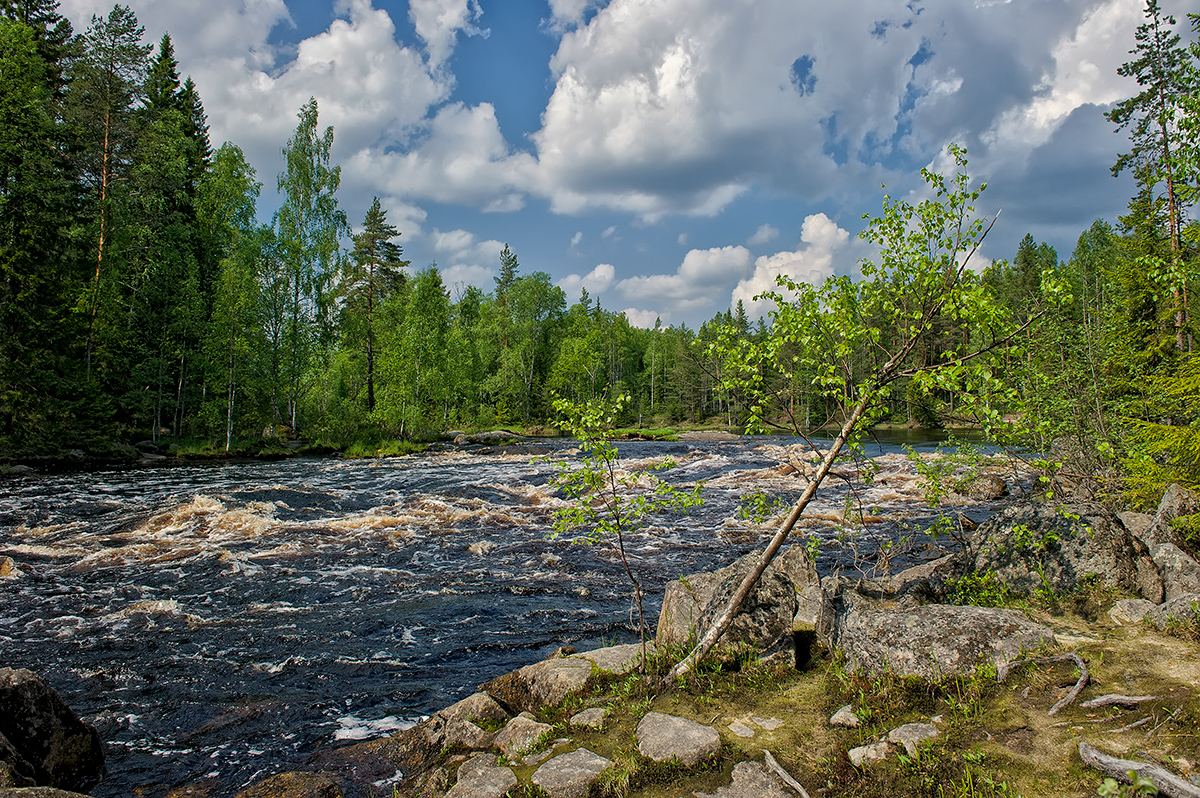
224, 622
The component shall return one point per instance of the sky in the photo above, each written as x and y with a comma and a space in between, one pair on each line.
670, 156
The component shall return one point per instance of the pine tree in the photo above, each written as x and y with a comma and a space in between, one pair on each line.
373, 274
1169, 81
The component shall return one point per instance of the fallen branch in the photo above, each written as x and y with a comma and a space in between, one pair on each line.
783, 774
1003, 671
1133, 725
1127, 701
1168, 783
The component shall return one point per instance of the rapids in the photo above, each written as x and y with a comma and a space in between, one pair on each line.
221, 623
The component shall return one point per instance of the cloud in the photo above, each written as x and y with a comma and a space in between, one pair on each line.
462, 158
764, 234
597, 281
575, 239
641, 318
703, 275
463, 259
438, 22
811, 264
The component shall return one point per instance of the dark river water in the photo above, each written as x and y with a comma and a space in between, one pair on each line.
224, 622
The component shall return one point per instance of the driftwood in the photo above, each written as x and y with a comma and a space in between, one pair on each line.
1084, 676
1168, 783
783, 774
1110, 700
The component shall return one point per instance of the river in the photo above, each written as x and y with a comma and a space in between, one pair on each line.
220, 623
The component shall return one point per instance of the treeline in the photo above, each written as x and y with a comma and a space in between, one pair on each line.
142, 297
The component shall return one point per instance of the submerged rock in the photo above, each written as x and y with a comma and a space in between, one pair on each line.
42, 742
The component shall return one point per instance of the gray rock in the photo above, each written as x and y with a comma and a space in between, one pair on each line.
411, 752
1138, 524
52, 746
1062, 543
38, 792
550, 681
293, 785
464, 734
1180, 573
750, 780
1130, 611
1181, 608
1176, 501
665, 737
479, 777
767, 617
479, 706
572, 774
845, 717
934, 641
927, 579
866, 754
592, 718
910, 734
987, 488
519, 735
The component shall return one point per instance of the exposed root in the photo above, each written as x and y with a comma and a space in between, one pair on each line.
783, 774
1112, 699
1168, 783
1084, 676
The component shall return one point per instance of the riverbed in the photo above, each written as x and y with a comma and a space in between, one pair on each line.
220, 623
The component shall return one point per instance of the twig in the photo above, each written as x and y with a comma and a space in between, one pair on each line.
1165, 720
1133, 725
1168, 783
783, 774
1084, 676
1127, 701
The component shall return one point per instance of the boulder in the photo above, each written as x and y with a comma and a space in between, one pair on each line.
1180, 572
293, 785
519, 735
550, 681
1062, 543
1183, 609
572, 774
479, 777
664, 737
927, 580
750, 780
934, 641
479, 706
766, 620
1130, 611
47, 745
1176, 501
986, 488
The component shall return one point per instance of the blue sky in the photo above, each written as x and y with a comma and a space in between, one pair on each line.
671, 156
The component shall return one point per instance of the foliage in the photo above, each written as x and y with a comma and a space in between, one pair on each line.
1167, 450
1138, 785
609, 503
978, 588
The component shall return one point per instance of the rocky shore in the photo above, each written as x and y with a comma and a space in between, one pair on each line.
1046, 690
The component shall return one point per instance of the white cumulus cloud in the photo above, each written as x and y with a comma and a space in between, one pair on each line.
439, 21
764, 234
700, 279
811, 263
597, 281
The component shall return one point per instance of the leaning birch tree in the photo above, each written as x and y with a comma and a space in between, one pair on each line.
859, 339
